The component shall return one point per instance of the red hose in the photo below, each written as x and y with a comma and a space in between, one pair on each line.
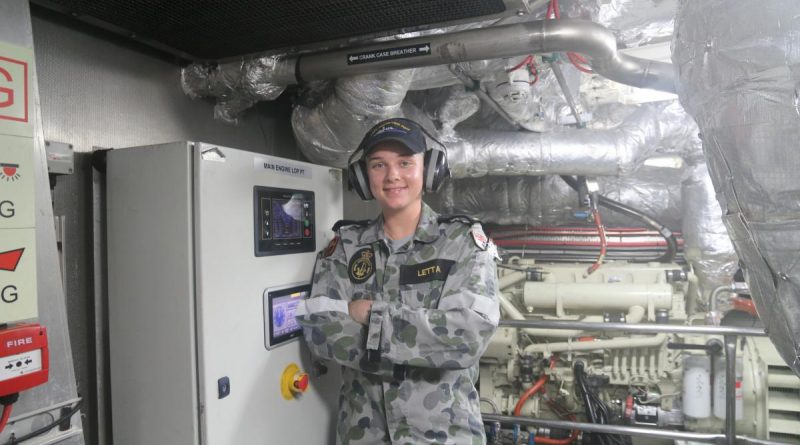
549, 441
528, 394
5, 416
601, 231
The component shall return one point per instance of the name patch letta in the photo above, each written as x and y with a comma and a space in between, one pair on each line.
424, 272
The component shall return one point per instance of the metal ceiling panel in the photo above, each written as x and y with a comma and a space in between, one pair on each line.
217, 29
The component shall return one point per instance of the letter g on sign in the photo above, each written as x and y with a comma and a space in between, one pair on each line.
6, 94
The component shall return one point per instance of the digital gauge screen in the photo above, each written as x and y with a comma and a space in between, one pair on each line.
284, 221
287, 219
280, 305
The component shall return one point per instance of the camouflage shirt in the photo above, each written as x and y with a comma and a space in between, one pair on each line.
409, 376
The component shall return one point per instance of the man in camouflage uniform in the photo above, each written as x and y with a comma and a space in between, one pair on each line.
410, 364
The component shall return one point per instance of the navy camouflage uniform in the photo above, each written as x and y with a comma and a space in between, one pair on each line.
409, 376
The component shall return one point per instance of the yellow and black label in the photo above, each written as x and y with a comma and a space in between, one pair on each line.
427, 271
362, 265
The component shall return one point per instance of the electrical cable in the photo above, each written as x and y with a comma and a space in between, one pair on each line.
530, 63
4, 417
664, 231
596, 409
46, 428
7, 401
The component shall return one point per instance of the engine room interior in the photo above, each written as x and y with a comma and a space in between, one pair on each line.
178, 177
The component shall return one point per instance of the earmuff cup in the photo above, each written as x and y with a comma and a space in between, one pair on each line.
359, 180
436, 169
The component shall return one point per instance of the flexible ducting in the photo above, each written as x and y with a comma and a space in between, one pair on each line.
330, 130
739, 70
237, 86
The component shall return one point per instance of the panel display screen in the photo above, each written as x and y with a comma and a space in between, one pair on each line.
284, 221
280, 305
287, 220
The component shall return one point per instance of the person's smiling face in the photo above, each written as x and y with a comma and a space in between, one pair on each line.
395, 176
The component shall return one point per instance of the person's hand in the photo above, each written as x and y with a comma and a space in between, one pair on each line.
359, 310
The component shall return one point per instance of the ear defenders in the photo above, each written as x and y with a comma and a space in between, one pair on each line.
409, 133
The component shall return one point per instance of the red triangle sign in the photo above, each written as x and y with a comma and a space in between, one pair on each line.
10, 259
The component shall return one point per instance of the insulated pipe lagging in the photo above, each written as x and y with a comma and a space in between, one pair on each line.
541, 36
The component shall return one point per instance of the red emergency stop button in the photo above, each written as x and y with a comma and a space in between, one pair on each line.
293, 382
301, 382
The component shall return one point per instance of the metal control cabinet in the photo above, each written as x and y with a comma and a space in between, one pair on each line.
186, 299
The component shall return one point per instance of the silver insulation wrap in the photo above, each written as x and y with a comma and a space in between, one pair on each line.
237, 85
708, 247
458, 107
638, 22
653, 129
739, 70
328, 132
439, 76
547, 200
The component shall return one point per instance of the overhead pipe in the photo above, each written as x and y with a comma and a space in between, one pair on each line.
540, 36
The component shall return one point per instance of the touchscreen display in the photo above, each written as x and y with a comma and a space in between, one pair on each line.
280, 307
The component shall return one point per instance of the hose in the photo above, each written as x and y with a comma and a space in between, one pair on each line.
669, 237
529, 393
524, 398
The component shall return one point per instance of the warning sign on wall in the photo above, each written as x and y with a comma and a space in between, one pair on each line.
18, 298
17, 275
15, 94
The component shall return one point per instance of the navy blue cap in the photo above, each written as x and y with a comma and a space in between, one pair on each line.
404, 131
